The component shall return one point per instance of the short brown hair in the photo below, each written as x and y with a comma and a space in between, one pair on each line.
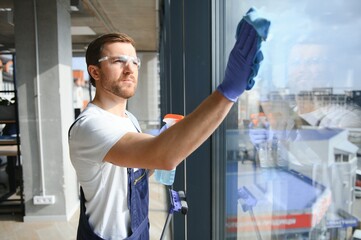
96, 46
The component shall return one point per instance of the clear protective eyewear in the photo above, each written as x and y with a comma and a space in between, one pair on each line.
123, 59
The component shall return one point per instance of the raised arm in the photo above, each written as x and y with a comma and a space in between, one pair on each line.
168, 149
173, 145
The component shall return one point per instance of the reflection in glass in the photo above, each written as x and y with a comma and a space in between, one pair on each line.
297, 145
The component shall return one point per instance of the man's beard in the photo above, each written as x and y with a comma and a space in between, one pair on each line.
123, 91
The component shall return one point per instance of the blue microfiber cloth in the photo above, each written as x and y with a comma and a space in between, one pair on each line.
261, 26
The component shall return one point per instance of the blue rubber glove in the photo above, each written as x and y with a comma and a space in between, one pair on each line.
259, 135
245, 57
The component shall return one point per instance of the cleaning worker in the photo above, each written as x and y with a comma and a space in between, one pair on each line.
110, 154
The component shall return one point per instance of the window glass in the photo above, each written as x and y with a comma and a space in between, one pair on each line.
6, 76
293, 141
9, 162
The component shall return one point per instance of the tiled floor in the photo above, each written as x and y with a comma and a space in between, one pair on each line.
13, 228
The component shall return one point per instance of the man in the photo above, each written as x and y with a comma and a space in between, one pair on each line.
111, 155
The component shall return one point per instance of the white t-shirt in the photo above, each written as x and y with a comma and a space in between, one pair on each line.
105, 185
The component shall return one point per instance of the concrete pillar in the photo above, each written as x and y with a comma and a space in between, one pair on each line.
44, 83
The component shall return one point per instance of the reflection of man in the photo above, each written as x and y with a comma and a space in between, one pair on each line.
309, 67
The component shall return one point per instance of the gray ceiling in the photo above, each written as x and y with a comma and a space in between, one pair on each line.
137, 18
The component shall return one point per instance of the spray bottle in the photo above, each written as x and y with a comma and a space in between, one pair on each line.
166, 177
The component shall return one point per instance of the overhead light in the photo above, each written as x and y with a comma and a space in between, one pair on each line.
75, 5
5, 9
82, 30
74, 9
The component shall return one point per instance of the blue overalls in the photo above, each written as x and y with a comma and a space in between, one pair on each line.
138, 204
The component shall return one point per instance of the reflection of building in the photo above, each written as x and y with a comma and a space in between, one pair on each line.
320, 107
312, 196
326, 156
354, 97
321, 96
326, 151
287, 204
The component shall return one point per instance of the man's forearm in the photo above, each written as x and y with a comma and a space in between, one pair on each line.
184, 137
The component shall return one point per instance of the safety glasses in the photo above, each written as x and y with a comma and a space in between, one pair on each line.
124, 60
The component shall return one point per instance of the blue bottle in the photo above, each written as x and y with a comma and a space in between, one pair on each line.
166, 177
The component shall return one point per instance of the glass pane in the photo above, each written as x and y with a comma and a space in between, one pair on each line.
10, 167
293, 140
7, 86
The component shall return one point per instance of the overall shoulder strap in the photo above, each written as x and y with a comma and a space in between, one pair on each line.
134, 120
72, 125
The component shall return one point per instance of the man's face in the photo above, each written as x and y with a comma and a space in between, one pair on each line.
308, 67
116, 76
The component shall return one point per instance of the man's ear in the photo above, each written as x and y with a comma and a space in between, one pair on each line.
94, 71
